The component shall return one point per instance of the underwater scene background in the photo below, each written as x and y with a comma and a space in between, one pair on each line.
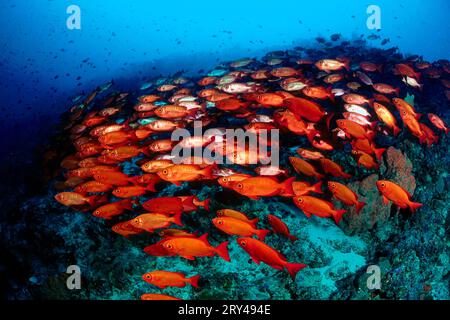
126, 50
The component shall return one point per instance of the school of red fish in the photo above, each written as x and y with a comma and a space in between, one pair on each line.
333, 103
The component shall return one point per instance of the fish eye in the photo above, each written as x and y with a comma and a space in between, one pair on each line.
243, 243
165, 171
300, 200
383, 185
224, 179
136, 220
239, 185
96, 213
149, 277
220, 222
169, 246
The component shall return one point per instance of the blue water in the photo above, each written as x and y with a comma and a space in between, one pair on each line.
43, 64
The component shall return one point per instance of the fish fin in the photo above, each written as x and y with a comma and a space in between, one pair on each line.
397, 91
294, 268
205, 204
255, 260
177, 219
189, 257
261, 234
142, 134
292, 238
396, 130
204, 237
222, 251
414, 206
253, 197
329, 117
254, 222
194, 281
385, 200
359, 206
151, 187
346, 175
317, 188
145, 151
208, 172
287, 187
337, 216
379, 153
177, 183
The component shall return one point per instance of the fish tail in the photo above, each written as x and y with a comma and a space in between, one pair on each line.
292, 238
396, 130
329, 117
287, 187
446, 130
194, 281
261, 234
379, 153
317, 188
177, 219
347, 65
294, 268
337, 216
359, 206
254, 221
222, 251
397, 91
208, 172
205, 204
414, 206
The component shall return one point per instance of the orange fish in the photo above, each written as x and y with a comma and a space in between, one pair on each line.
278, 226
318, 93
368, 147
236, 215
328, 65
92, 187
355, 130
173, 112
169, 233
157, 296
318, 207
305, 109
366, 160
151, 221
288, 120
185, 172
309, 154
345, 195
430, 137
173, 205
132, 191
353, 98
163, 279
405, 70
333, 168
395, 193
304, 167
75, 199
261, 252
413, 125
237, 227
304, 188
386, 117
257, 187
402, 105
114, 178
270, 99
386, 89
113, 209
156, 165
438, 122
228, 181
126, 229
189, 248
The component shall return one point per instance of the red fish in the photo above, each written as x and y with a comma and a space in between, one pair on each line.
190, 248
345, 195
438, 122
257, 187
163, 279
261, 252
238, 227
278, 226
395, 193
318, 207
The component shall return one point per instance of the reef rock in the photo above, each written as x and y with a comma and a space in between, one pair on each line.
397, 168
